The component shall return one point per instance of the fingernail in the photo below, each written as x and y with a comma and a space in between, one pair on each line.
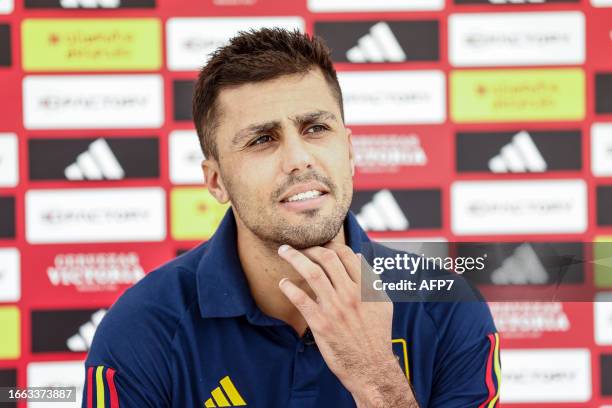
280, 283
283, 248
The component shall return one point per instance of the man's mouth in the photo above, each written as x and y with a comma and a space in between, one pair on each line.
306, 195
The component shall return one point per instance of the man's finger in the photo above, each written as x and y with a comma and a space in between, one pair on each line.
300, 299
310, 271
331, 264
350, 260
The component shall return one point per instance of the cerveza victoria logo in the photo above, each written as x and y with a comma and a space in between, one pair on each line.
397, 210
521, 151
93, 158
517, 95
93, 101
95, 272
388, 153
88, 4
5, 45
64, 330
381, 41
91, 44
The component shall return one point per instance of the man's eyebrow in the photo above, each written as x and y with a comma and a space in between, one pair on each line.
298, 120
253, 129
314, 116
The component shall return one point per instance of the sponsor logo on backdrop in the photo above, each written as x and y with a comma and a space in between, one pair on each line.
519, 152
64, 330
95, 215
9, 167
10, 346
382, 41
93, 101
539, 375
191, 40
82, 340
195, 213
532, 271
527, 263
6, 6
388, 153
183, 91
10, 275
57, 374
490, 39
517, 95
601, 149
393, 97
603, 318
529, 319
604, 203
603, 93
519, 207
605, 364
93, 158
185, 157
91, 44
397, 210
510, 2
5, 45
7, 217
325, 6
95, 272
89, 4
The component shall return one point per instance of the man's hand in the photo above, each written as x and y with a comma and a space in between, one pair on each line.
353, 337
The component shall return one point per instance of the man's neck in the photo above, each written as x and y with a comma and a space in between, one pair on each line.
264, 268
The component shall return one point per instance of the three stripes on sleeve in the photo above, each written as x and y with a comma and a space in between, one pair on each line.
101, 391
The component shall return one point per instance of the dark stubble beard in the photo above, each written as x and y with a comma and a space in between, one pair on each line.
273, 230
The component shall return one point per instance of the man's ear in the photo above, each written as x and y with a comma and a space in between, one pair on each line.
349, 133
214, 181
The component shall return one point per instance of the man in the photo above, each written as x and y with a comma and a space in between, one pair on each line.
268, 312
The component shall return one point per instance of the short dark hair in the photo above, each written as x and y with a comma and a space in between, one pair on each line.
255, 56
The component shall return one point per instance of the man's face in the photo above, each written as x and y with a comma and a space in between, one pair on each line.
285, 159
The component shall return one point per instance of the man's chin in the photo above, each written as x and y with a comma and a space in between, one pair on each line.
302, 235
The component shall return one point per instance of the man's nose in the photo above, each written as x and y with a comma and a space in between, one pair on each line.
296, 154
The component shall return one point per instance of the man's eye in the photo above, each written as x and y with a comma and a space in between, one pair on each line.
316, 129
261, 140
